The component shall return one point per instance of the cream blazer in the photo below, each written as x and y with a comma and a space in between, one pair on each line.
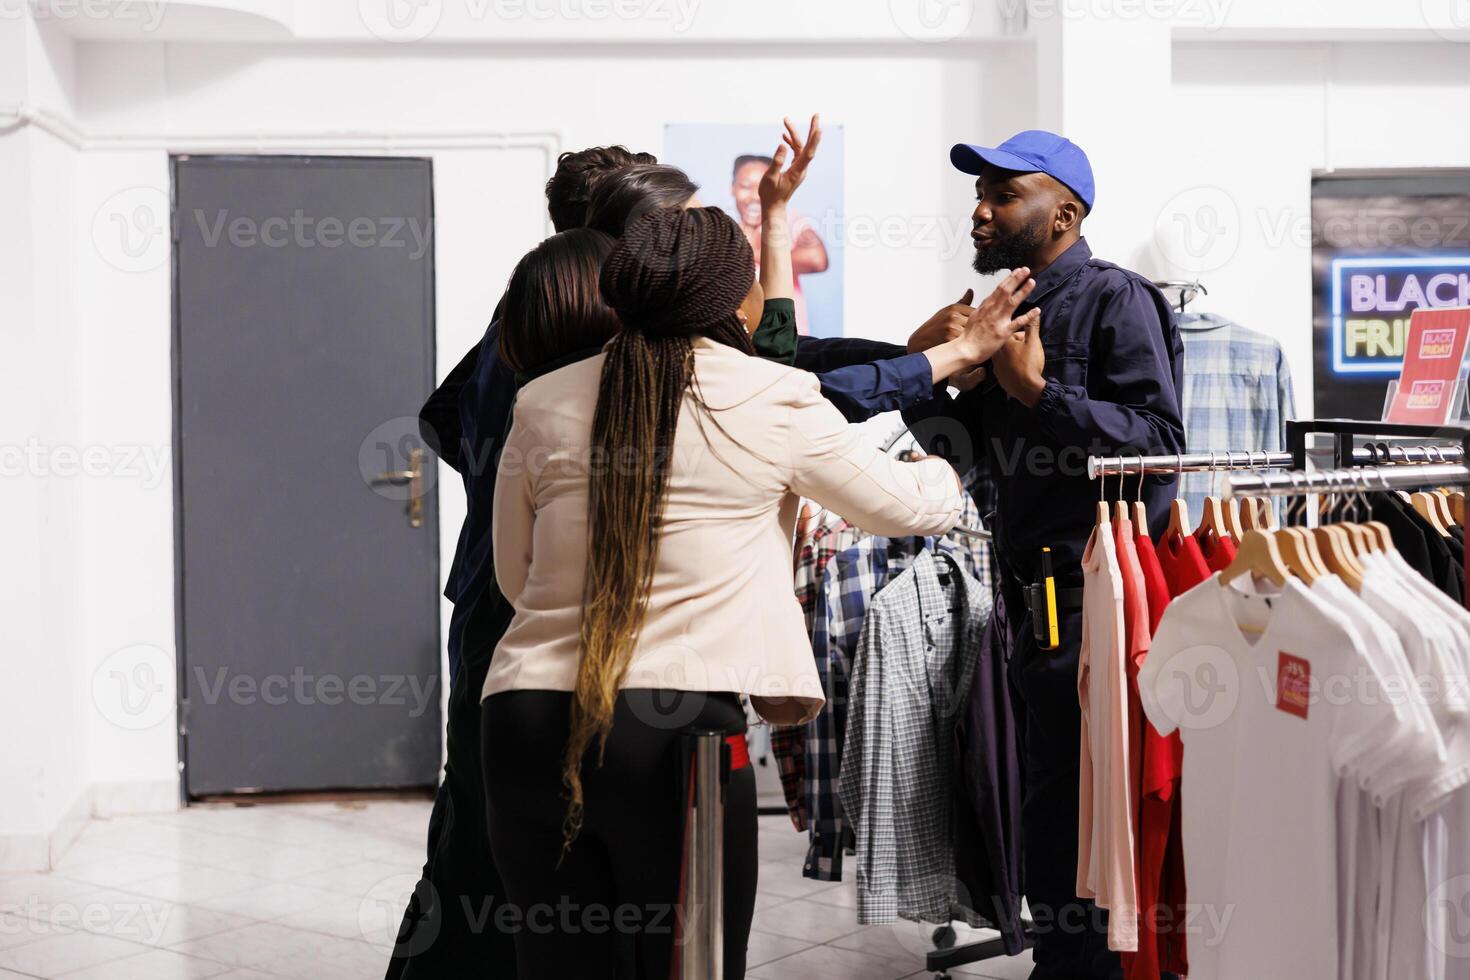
722, 615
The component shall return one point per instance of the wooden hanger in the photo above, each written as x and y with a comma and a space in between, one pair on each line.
1457, 507
1306, 544
1179, 510
1250, 517
1232, 520
1425, 506
1258, 556
1332, 545
1441, 501
1294, 552
1102, 502
1213, 518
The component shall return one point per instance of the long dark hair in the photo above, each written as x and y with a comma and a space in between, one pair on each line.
675, 275
623, 197
552, 305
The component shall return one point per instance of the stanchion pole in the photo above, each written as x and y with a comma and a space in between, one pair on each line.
703, 955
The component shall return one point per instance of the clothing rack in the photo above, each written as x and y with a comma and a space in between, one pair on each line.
1352, 479
1239, 459
1349, 476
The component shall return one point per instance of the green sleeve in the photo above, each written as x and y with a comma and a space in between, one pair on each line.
775, 337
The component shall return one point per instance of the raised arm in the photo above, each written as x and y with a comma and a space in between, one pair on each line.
775, 190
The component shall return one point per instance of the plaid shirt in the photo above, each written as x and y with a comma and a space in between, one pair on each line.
911, 675
849, 583
832, 536
1237, 395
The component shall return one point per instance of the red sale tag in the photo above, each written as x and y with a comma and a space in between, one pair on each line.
1432, 358
1293, 684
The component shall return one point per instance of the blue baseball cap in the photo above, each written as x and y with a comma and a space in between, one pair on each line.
1030, 152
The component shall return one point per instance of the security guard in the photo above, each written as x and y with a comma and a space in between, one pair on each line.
1099, 375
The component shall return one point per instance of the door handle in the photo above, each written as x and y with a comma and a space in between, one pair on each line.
414, 478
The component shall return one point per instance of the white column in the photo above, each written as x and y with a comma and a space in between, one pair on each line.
43, 700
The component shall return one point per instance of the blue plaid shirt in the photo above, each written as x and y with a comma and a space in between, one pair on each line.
848, 585
1237, 395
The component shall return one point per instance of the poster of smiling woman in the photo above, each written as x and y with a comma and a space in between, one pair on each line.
727, 161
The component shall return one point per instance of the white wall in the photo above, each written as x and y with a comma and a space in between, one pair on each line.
44, 774
1254, 121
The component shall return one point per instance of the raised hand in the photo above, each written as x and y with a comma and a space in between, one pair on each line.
777, 185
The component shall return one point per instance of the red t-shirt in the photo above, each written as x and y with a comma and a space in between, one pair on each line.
1171, 569
1218, 552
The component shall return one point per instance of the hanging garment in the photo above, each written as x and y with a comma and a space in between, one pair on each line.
1218, 552
911, 673
1237, 393
1183, 563
1363, 915
990, 784
1105, 826
830, 536
1162, 911
849, 583
1415, 842
1238, 672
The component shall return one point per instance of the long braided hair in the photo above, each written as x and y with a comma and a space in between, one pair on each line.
674, 275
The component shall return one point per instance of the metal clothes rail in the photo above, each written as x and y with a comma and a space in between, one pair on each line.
1240, 459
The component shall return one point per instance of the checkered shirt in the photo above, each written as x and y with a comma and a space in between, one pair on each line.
832, 536
911, 675
849, 582
1237, 395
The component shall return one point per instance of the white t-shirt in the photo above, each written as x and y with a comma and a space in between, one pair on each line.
1264, 752
1415, 837
1366, 840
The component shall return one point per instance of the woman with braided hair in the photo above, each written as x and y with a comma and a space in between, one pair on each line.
643, 519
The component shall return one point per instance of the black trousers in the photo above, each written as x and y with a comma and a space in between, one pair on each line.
1071, 933
446, 933
573, 915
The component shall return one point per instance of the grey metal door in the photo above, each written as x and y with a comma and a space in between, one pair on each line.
307, 556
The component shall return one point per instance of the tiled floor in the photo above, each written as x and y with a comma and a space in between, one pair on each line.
315, 891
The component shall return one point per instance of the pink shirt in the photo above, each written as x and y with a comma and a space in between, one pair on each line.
1105, 809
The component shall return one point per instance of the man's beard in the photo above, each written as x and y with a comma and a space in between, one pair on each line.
1011, 251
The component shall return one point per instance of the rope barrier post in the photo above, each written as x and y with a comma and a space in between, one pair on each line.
702, 954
